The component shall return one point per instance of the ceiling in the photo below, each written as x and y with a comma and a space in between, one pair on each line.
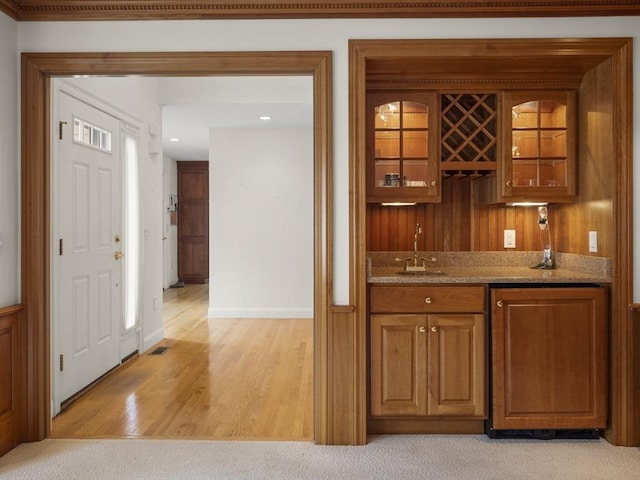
190, 123
192, 106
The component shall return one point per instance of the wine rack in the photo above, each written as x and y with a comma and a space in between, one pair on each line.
468, 134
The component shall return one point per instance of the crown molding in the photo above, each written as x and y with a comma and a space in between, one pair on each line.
66, 10
10, 7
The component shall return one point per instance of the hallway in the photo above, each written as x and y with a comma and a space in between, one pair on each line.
248, 379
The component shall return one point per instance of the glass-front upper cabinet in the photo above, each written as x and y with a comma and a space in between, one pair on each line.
540, 145
401, 147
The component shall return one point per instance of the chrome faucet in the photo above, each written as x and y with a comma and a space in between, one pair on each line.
413, 263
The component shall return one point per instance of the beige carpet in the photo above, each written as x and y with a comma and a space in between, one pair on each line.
385, 457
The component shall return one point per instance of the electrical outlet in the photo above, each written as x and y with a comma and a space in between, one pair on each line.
593, 242
509, 239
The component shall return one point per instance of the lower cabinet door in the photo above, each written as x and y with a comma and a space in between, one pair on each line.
549, 350
398, 365
456, 365
428, 365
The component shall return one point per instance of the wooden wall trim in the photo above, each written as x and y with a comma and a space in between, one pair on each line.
37, 70
11, 310
358, 209
623, 350
35, 254
59, 10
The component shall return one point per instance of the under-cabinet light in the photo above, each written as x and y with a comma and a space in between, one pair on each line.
174, 139
526, 204
265, 117
398, 204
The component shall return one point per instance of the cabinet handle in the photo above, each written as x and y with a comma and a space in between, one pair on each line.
508, 183
433, 183
434, 329
422, 329
427, 300
499, 303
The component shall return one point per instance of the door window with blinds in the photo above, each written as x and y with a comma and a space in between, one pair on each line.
91, 135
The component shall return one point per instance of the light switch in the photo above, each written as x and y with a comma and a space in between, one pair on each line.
509, 239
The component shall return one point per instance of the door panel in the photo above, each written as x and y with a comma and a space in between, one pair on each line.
88, 304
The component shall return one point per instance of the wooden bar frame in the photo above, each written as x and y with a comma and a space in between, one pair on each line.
624, 396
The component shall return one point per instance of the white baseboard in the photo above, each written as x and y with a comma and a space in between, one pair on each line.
151, 339
260, 313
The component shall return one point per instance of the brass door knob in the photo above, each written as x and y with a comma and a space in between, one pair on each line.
434, 329
427, 300
118, 255
422, 329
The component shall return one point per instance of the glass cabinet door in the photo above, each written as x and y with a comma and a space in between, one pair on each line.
540, 160
402, 165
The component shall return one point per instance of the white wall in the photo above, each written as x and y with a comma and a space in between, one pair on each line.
170, 242
256, 35
9, 164
261, 223
138, 97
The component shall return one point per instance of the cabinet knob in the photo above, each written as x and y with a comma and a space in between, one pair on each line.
434, 183
427, 300
499, 303
434, 329
508, 183
422, 329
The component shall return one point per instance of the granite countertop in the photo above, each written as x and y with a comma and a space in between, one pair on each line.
488, 267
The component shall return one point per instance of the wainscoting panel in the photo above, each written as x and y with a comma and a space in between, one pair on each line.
11, 370
347, 402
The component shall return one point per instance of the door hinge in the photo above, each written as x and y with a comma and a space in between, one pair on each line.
61, 125
61, 247
61, 362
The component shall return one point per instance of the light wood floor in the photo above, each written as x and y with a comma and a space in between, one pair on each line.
220, 378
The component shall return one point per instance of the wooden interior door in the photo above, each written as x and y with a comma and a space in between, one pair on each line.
193, 221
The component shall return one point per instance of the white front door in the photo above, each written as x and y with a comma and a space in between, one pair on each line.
87, 218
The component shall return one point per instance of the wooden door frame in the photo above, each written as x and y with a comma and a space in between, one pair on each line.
624, 397
37, 72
